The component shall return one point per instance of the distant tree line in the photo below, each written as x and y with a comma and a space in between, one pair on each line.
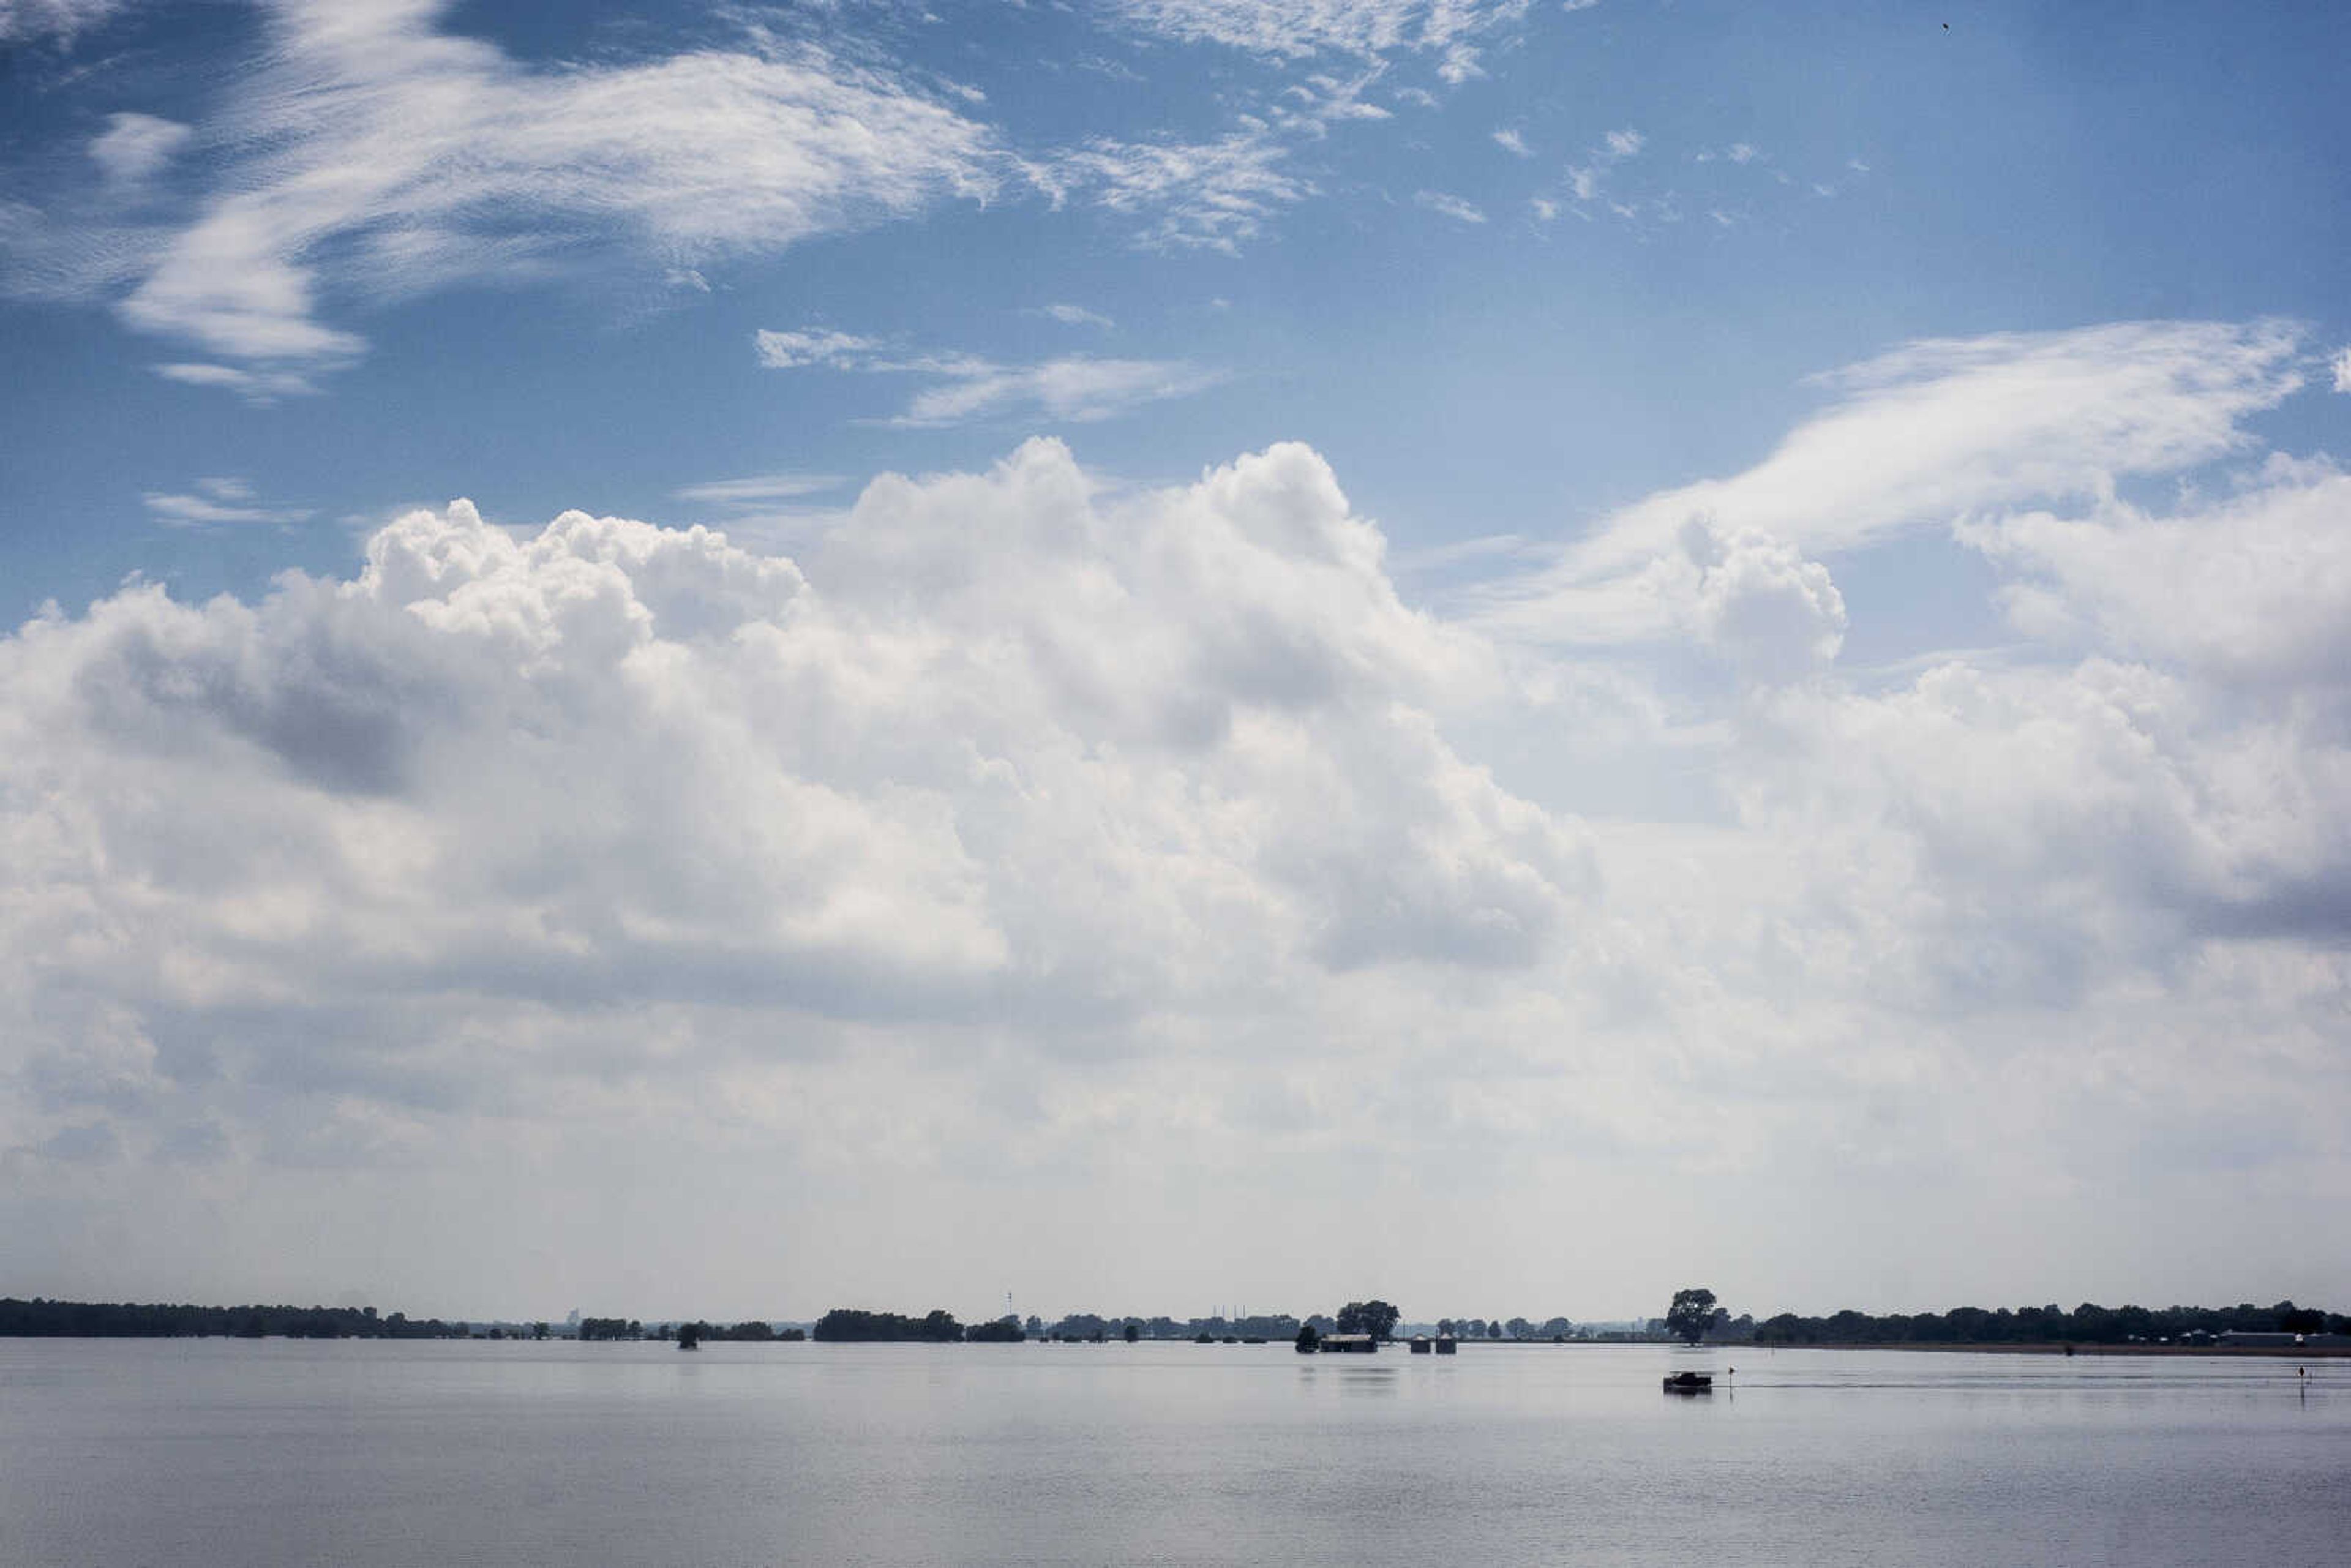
848, 1325
1514, 1328
2089, 1323
756, 1331
611, 1328
1003, 1331
124, 1320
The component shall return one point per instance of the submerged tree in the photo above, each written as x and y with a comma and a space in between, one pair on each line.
1691, 1315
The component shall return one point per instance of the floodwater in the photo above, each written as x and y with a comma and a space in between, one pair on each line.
199, 1452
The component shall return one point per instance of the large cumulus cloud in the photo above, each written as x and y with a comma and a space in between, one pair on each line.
1030, 844
1011, 750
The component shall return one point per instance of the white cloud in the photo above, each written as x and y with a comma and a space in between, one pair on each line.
1077, 316
1774, 615
134, 146
1509, 141
1926, 435
1211, 195
378, 157
1027, 833
1742, 152
2243, 594
1453, 207
255, 386
1007, 751
1216, 195
1587, 182
1572, 7
1544, 209
37, 21
1074, 387
2341, 366
218, 501
1296, 28
788, 350
1460, 65
756, 489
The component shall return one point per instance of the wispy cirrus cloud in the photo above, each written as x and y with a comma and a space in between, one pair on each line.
1922, 437
1218, 193
1076, 316
219, 501
1293, 29
58, 21
1190, 195
261, 387
374, 156
1587, 181
1077, 387
1451, 206
815, 346
757, 489
371, 155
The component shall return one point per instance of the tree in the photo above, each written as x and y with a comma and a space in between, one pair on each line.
1309, 1340
1691, 1315
1133, 1330
1375, 1318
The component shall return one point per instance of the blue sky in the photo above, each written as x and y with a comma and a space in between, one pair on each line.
1508, 375
1552, 569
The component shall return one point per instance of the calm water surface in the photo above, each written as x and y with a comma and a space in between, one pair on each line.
201, 1452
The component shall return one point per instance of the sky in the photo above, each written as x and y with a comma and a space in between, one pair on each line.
728, 660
